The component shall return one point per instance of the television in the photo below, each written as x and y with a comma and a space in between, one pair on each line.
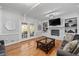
55, 22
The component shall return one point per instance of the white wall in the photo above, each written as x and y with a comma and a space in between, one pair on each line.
61, 28
0, 19
10, 35
14, 18
48, 33
72, 15
30, 20
17, 19
13, 36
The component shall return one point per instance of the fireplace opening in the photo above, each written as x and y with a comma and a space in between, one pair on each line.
55, 32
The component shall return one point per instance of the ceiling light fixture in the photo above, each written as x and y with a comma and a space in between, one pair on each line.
35, 5
52, 15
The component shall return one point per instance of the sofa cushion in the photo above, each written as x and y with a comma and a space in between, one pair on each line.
69, 47
76, 37
76, 51
60, 52
68, 37
63, 44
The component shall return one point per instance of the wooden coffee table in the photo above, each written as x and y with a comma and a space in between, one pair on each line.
46, 44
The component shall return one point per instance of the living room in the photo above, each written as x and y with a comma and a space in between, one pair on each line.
41, 27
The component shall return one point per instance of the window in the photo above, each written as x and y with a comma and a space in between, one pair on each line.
27, 30
32, 30
24, 30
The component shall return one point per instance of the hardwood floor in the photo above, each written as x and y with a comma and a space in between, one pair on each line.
28, 48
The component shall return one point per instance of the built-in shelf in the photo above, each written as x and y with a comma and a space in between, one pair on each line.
71, 25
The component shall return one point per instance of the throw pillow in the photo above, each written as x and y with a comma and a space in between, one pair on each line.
63, 44
69, 37
70, 46
76, 51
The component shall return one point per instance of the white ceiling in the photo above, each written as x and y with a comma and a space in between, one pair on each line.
39, 10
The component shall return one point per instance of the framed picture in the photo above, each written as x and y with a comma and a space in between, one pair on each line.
45, 26
71, 25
